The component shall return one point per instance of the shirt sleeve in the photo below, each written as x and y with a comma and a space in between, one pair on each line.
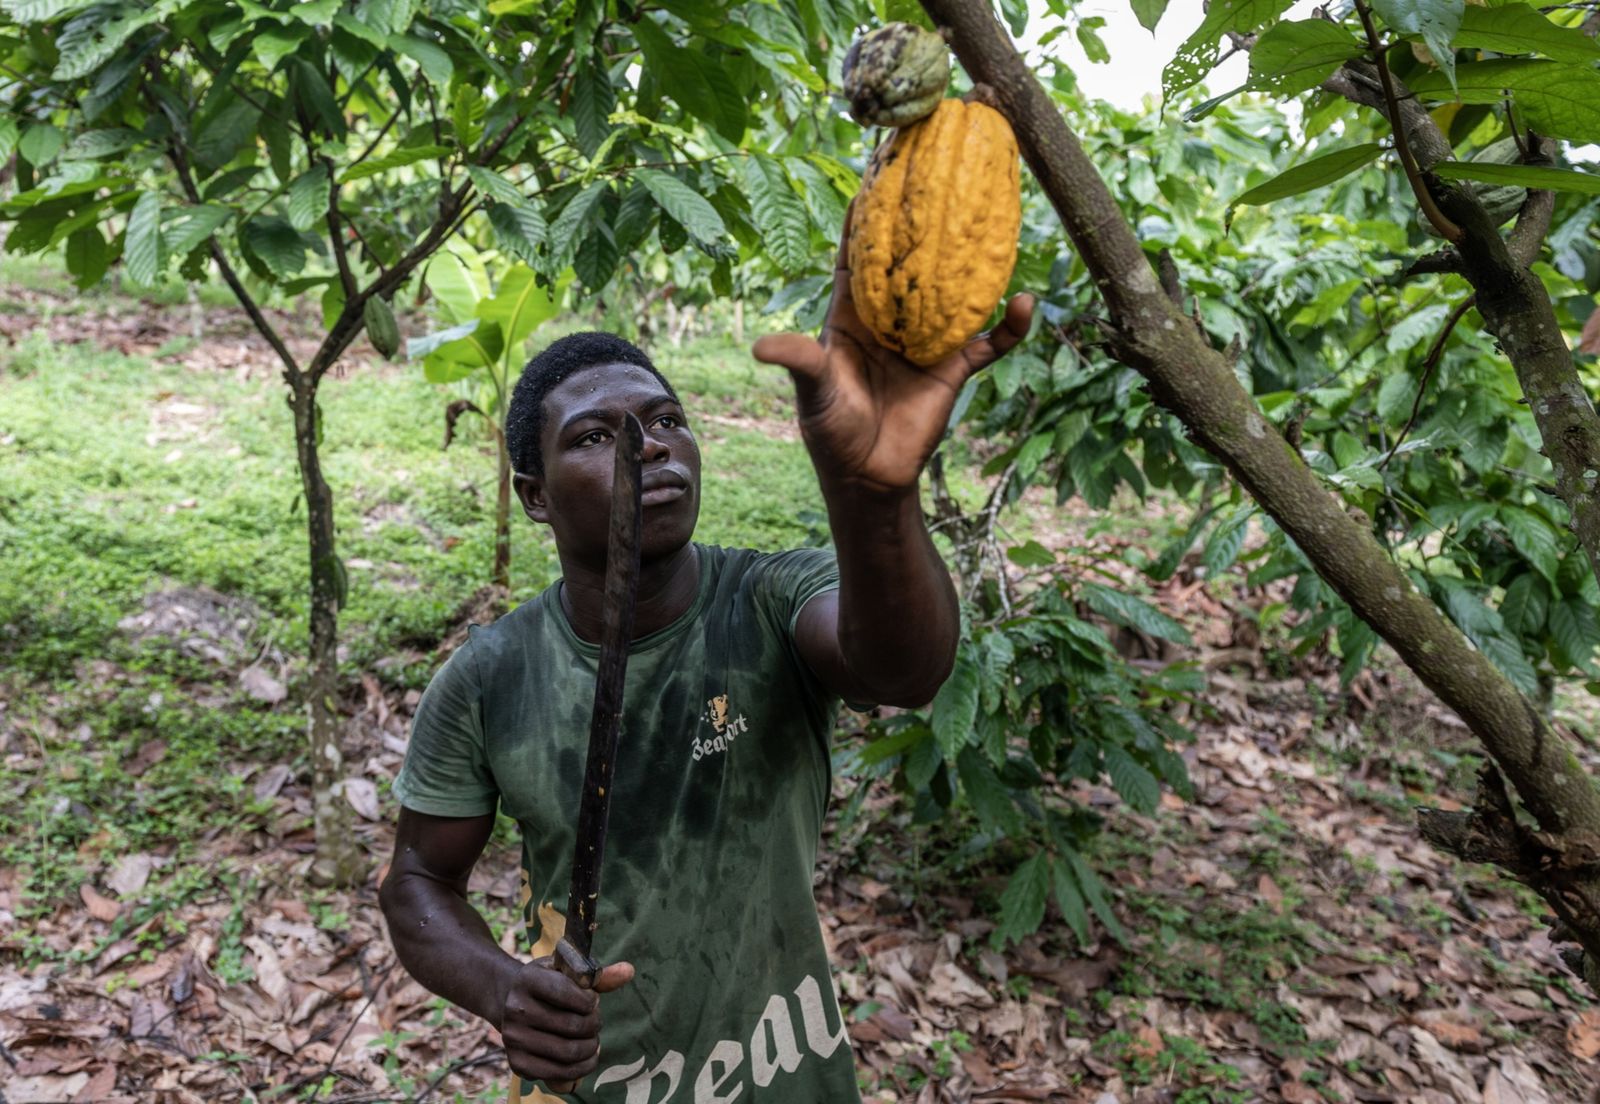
786, 581
446, 770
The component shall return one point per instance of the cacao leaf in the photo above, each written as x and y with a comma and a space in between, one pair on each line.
593, 99
955, 707
779, 213
1526, 605
683, 74
276, 43
435, 64
308, 198
1069, 899
988, 795
520, 305
519, 229
1572, 626
141, 254
1125, 609
1022, 902
1522, 176
1198, 54
1551, 97
41, 11
394, 159
1093, 889
1133, 783
1148, 12
87, 256
1534, 538
1436, 21
1294, 56
40, 143
193, 227
688, 207
278, 245
1520, 29
566, 233
1310, 175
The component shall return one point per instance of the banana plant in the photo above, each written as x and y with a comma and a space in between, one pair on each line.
489, 322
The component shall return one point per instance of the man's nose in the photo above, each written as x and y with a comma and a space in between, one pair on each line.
655, 449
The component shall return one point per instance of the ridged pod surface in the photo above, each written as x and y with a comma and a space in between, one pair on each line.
895, 75
933, 238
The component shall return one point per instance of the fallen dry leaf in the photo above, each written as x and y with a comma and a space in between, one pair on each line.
363, 797
99, 905
130, 874
1583, 1036
262, 686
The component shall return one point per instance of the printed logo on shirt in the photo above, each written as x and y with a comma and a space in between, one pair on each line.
725, 727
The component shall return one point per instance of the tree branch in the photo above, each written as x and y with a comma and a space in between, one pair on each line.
1435, 354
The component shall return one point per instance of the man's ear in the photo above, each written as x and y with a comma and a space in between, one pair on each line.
530, 490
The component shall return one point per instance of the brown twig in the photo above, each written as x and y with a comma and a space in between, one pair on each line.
1435, 354
1447, 229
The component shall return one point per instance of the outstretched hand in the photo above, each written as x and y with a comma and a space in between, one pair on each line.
870, 417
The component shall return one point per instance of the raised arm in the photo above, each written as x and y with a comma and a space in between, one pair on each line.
550, 1027
870, 420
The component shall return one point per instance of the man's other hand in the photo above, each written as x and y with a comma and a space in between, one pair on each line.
869, 416
550, 1027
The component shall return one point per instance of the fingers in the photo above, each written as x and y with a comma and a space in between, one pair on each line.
987, 348
613, 977
805, 359
551, 1028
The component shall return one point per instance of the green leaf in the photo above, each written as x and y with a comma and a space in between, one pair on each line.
684, 75
40, 143
430, 58
308, 198
141, 253
1225, 542
1069, 899
1507, 655
88, 256
1523, 176
1534, 538
955, 707
419, 347
1094, 890
192, 227
394, 159
1550, 97
989, 797
1310, 175
1572, 625
683, 203
91, 145
592, 102
1199, 52
495, 186
519, 230
1526, 605
317, 13
273, 44
1395, 398
1520, 29
1022, 902
1298, 55
311, 88
779, 213
224, 134
278, 245
41, 11
596, 259
519, 306
1436, 21
391, 16
1148, 12
1031, 554
8, 137
90, 40
1133, 783
568, 230
1125, 609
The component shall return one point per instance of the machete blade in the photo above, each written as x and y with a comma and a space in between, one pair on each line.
573, 955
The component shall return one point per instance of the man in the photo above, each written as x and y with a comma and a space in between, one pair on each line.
721, 990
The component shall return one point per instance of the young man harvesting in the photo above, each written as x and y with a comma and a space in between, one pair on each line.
719, 989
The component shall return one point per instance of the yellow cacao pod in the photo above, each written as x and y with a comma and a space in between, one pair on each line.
933, 238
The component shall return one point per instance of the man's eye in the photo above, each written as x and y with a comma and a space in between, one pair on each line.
593, 437
668, 421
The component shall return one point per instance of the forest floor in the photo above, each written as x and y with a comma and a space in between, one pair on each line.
1289, 935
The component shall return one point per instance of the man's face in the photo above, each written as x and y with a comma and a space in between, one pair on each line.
582, 418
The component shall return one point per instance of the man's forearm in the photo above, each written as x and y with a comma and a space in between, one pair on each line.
446, 945
899, 618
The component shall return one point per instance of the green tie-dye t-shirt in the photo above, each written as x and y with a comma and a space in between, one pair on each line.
721, 781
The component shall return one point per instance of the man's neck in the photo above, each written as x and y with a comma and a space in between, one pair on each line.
667, 588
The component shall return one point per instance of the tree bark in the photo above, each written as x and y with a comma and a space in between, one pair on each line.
1149, 333
502, 512
339, 859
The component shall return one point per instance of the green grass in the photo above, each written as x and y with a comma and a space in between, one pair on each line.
122, 476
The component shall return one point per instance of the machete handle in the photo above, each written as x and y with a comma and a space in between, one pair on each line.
579, 968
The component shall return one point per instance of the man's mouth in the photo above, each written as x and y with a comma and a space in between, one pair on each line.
659, 487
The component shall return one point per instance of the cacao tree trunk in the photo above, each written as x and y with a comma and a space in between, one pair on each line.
1149, 333
339, 858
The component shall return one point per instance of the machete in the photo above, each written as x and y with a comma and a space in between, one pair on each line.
573, 951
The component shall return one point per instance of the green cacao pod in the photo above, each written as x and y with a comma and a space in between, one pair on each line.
895, 75
381, 328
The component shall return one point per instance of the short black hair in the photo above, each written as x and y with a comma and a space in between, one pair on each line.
559, 360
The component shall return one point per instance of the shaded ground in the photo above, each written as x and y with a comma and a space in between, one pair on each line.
1290, 936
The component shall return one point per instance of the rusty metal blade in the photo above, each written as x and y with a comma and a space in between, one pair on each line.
573, 955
